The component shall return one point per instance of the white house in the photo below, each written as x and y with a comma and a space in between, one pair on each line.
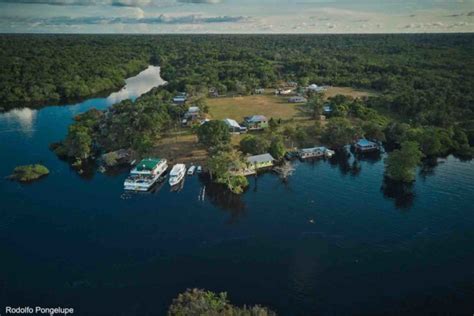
234, 127
315, 88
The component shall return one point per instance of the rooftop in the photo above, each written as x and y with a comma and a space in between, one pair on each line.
255, 119
365, 143
148, 164
193, 109
232, 123
260, 158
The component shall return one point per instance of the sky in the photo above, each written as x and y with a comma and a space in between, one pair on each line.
236, 16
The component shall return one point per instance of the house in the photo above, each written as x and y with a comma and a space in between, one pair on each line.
256, 122
234, 127
327, 109
213, 92
180, 98
297, 99
363, 145
315, 88
283, 91
259, 91
260, 161
191, 115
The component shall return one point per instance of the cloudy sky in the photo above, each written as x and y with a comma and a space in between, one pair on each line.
236, 16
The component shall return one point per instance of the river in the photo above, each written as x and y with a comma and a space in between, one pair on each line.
332, 240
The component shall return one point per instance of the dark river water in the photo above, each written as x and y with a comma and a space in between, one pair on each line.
332, 240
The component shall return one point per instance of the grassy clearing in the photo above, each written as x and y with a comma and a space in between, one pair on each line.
180, 148
347, 91
239, 107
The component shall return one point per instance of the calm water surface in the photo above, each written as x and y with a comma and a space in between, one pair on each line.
330, 241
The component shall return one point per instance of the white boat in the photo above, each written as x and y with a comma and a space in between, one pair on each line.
145, 174
329, 153
177, 174
199, 169
191, 170
315, 152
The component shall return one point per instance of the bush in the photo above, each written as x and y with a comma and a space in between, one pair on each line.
196, 302
29, 173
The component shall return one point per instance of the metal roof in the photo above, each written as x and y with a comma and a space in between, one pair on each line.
148, 164
232, 123
255, 119
193, 109
260, 158
365, 143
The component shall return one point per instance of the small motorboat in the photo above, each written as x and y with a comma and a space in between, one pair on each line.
199, 169
191, 170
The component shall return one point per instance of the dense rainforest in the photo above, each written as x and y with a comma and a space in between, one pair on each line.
425, 78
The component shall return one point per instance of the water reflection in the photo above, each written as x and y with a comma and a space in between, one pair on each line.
24, 120
138, 85
346, 163
19, 119
428, 167
224, 199
370, 157
402, 193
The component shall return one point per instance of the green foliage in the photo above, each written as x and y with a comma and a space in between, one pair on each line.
214, 133
254, 145
202, 105
29, 173
129, 125
196, 302
429, 140
400, 164
373, 131
396, 133
339, 132
272, 124
277, 147
224, 167
35, 71
314, 106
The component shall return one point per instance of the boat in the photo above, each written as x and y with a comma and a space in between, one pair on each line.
315, 152
177, 174
145, 174
191, 170
199, 169
329, 153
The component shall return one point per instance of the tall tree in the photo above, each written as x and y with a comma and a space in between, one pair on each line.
214, 133
339, 132
400, 164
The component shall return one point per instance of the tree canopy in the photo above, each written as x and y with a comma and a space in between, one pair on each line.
400, 164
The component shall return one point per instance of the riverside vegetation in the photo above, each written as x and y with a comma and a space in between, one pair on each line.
201, 302
422, 90
29, 173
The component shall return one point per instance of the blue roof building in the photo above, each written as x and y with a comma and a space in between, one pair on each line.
364, 145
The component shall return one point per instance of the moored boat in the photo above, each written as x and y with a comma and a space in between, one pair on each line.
177, 174
145, 174
315, 152
191, 170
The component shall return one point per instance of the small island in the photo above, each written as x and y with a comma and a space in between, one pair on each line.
29, 173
